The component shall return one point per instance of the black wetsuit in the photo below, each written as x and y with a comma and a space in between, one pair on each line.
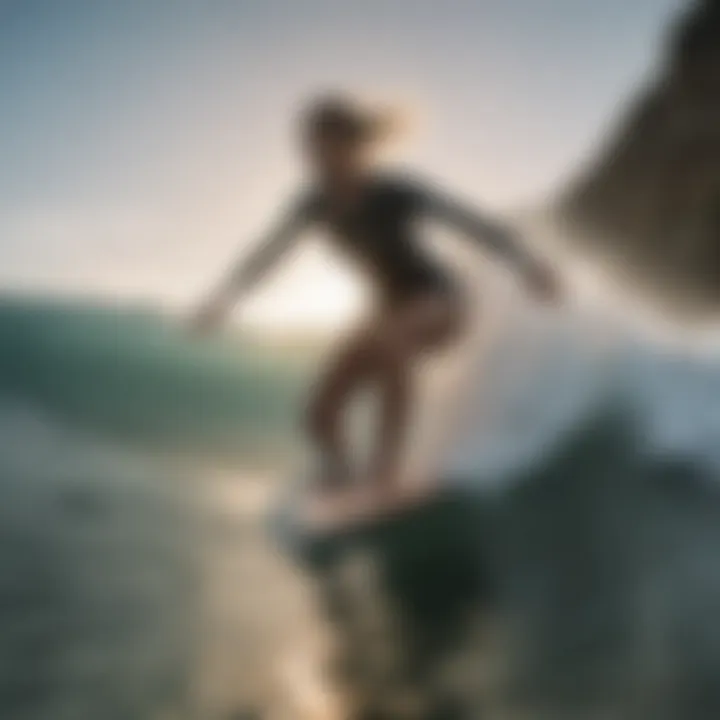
379, 234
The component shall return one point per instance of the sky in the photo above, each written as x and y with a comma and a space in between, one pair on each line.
144, 144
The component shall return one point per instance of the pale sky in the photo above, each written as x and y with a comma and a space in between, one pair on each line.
144, 143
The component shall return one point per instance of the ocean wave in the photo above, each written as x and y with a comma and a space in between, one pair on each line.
567, 567
586, 486
136, 375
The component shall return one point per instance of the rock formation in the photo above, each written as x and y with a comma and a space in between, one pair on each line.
651, 201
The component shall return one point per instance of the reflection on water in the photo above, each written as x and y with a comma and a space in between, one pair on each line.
132, 590
99, 592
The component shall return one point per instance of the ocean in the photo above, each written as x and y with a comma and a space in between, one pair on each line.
110, 419
137, 580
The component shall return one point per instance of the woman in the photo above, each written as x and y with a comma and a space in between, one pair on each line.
419, 306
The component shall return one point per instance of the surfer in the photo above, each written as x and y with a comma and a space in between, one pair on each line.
419, 307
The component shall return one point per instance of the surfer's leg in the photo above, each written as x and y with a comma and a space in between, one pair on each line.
383, 353
419, 325
352, 366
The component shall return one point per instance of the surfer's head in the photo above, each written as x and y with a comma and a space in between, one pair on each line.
341, 137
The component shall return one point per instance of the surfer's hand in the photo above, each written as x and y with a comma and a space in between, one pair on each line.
544, 283
207, 319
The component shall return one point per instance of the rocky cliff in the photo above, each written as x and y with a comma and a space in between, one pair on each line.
651, 201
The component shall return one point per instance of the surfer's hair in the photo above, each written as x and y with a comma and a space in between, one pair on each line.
339, 117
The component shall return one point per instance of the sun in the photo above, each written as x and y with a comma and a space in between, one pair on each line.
315, 292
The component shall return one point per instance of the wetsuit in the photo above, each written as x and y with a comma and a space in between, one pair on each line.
379, 234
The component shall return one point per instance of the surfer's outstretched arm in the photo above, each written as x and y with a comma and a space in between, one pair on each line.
501, 239
252, 268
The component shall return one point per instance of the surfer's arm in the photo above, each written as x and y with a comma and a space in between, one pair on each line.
263, 258
251, 269
505, 242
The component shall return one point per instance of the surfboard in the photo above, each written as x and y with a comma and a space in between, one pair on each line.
349, 508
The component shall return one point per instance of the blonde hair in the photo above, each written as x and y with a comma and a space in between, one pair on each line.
342, 117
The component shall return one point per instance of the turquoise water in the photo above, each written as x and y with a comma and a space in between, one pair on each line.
139, 376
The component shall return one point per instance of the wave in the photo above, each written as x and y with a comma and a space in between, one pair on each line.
579, 520
566, 569
135, 374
